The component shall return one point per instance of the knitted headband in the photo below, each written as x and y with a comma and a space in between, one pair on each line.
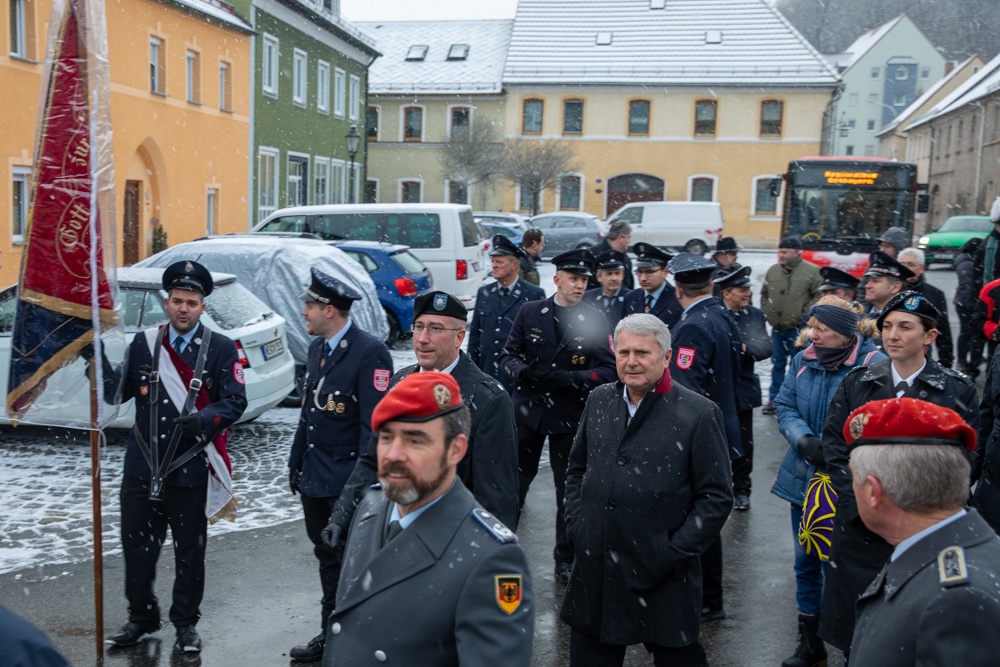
841, 320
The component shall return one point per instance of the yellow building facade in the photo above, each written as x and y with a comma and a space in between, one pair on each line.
180, 114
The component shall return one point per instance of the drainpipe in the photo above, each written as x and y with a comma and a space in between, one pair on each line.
830, 122
363, 176
979, 155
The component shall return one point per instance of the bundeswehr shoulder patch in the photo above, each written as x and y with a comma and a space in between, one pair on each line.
494, 526
508, 591
951, 567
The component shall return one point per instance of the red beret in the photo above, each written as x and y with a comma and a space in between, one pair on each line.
907, 421
419, 397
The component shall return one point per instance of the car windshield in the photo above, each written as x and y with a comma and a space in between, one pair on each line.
409, 262
232, 306
966, 224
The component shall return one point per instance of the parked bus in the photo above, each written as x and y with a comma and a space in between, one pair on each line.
839, 206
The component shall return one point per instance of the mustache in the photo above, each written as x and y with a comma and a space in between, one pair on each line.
394, 469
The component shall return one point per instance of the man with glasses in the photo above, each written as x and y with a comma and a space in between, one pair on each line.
657, 295
489, 468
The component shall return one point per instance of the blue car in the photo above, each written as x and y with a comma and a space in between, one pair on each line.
398, 276
513, 232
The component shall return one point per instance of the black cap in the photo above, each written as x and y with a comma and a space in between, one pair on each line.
328, 290
648, 255
504, 246
580, 261
738, 278
727, 244
834, 278
880, 264
791, 243
912, 302
439, 303
611, 259
188, 274
691, 269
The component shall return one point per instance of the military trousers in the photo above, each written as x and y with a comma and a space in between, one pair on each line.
529, 453
317, 514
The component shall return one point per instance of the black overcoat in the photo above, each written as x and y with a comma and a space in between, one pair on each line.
491, 322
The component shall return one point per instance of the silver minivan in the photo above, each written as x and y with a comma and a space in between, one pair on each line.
442, 236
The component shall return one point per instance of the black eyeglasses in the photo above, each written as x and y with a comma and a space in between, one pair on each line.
433, 329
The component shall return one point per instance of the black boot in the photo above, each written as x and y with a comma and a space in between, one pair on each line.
810, 652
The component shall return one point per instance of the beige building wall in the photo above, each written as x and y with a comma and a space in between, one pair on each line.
735, 157
393, 159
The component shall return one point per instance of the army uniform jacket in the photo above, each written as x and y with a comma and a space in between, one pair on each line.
613, 311
340, 391
753, 329
856, 553
224, 383
453, 588
491, 323
707, 357
667, 307
584, 350
938, 603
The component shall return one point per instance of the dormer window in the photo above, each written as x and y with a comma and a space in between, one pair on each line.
458, 52
417, 52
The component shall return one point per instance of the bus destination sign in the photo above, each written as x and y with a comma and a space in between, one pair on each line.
850, 177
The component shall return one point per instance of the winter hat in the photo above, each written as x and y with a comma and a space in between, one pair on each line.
895, 236
841, 320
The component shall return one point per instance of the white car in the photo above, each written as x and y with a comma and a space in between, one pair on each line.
258, 331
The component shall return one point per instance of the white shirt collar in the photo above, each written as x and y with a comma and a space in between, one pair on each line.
913, 539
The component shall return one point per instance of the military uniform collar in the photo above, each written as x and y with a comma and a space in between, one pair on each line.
333, 341
933, 374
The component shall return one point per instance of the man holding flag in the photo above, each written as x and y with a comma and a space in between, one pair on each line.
188, 386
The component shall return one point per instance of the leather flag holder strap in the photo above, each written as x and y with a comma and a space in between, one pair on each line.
161, 467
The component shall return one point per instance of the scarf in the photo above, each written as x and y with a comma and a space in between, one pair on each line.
832, 358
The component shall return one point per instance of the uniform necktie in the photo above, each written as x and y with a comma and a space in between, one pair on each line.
179, 344
902, 386
649, 302
395, 528
504, 292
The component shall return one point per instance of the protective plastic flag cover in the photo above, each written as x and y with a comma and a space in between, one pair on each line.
67, 289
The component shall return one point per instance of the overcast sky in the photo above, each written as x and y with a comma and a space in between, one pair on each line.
410, 10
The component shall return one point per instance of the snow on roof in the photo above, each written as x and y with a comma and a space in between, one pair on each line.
984, 82
908, 112
444, 67
688, 42
215, 9
864, 43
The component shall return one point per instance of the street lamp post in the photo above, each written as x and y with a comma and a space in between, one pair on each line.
353, 140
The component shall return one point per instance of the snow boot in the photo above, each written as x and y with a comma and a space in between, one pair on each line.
810, 652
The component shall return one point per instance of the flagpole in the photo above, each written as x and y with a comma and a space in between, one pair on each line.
95, 478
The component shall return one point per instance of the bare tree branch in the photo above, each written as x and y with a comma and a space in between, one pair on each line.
535, 165
474, 159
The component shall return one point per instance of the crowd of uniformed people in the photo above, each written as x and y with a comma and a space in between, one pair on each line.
412, 482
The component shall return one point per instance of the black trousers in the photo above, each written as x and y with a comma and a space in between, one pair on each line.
970, 341
587, 651
144, 528
529, 452
743, 466
711, 575
317, 514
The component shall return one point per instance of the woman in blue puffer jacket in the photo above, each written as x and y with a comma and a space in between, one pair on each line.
836, 342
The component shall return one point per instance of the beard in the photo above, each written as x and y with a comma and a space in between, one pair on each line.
412, 489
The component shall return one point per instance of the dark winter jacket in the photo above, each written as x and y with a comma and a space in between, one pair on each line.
986, 460
965, 298
857, 554
644, 498
753, 330
801, 407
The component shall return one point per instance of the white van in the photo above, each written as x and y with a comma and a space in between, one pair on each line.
694, 226
443, 236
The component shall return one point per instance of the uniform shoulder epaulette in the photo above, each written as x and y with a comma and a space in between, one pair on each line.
951, 567
494, 526
956, 374
492, 384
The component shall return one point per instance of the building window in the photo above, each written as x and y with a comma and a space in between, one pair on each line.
270, 66
409, 192
413, 124
461, 123
458, 52
765, 203
899, 100
355, 90
702, 189
458, 193
193, 77
212, 211
299, 63
339, 92
876, 72
371, 191
371, 123
704, 117
531, 119
871, 125
157, 66
573, 117
22, 36
925, 72
638, 117
19, 214
267, 182
417, 52
771, 112
321, 181
323, 87
225, 87
338, 180
569, 193
902, 73
526, 200
873, 100
849, 150
298, 180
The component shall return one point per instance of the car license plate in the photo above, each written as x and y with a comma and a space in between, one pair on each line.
273, 349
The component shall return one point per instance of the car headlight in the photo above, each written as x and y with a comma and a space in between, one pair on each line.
924, 241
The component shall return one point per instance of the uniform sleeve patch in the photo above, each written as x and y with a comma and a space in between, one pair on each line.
685, 357
508, 590
238, 373
381, 379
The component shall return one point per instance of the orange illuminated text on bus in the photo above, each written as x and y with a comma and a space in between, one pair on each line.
851, 177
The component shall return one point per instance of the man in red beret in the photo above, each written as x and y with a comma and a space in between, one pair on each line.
429, 577
937, 600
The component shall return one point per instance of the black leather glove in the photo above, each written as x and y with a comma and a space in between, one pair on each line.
334, 536
294, 477
531, 372
561, 379
811, 449
191, 425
